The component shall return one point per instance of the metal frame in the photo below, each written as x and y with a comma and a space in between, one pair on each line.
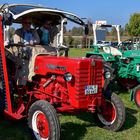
96, 26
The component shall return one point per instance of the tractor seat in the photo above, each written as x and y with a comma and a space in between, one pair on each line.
39, 50
112, 50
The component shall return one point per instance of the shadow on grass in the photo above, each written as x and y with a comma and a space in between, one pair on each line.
14, 130
72, 131
76, 131
131, 120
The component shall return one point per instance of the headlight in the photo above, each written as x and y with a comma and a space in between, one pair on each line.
107, 75
68, 76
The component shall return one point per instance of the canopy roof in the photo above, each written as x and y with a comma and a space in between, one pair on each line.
38, 13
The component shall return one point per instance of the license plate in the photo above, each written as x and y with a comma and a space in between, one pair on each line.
91, 89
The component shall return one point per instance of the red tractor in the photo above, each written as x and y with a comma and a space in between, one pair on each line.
59, 84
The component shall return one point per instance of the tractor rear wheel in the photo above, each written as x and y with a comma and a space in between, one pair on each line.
136, 95
111, 115
43, 121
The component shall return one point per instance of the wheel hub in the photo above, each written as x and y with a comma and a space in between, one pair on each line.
42, 125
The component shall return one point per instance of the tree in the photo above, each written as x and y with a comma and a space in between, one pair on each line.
113, 31
76, 31
133, 26
90, 28
122, 31
69, 41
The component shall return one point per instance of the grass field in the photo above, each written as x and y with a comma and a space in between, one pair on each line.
81, 126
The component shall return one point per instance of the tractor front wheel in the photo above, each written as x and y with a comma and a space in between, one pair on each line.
136, 95
43, 121
111, 115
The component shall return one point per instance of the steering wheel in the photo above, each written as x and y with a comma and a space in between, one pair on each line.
14, 44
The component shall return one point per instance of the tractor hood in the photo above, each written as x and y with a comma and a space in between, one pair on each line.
60, 65
132, 54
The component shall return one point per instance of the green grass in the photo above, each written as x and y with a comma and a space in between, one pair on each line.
81, 126
78, 52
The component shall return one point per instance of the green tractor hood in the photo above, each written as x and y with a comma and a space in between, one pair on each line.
132, 54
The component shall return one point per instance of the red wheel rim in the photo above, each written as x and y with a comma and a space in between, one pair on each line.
138, 97
42, 125
108, 113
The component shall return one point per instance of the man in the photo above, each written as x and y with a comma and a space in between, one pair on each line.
44, 32
29, 37
25, 34
48, 34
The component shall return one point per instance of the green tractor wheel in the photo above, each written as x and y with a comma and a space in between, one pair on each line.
136, 95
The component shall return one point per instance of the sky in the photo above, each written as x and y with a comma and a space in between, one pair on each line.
113, 11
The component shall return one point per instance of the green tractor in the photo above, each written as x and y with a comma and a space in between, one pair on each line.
123, 59
103, 49
127, 69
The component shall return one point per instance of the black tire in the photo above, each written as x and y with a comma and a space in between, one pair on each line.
43, 121
111, 115
136, 95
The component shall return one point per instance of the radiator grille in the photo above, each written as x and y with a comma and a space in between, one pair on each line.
87, 76
98, 79
81, 80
